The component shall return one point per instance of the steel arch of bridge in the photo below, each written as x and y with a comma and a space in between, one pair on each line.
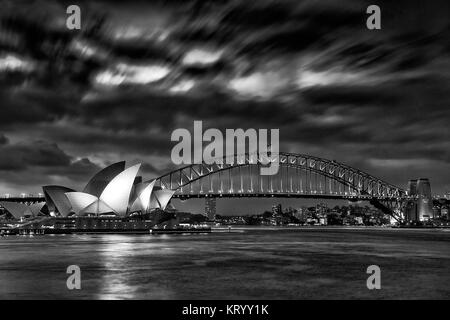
335, 175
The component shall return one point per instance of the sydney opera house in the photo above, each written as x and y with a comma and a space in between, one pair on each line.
115, 192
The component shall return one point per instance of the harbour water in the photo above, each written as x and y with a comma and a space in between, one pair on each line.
271, 263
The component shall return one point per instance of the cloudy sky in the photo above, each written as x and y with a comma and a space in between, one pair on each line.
72, 102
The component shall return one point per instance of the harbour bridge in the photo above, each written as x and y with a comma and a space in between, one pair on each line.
299, 176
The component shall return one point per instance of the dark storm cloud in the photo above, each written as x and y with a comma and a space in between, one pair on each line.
33, 153
33, 162
3, 139
151, 170
200, 71
308, 28
22, 106
77, 170
162, 110
372, 99
145, 50
103, 124
112, 141
353, 95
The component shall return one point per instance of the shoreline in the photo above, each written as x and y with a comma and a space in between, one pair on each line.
270, 228
221, 229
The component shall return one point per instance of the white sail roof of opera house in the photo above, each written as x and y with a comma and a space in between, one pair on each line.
99, 182
97, 207
36, 207
113, 190
117, 193
56, 199
18, 210
142, 202
163, 197
80, 200
117, 196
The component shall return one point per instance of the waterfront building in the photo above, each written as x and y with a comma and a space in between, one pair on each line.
276, 209
412, 187
420, 207
444, 212
210, 208
411, 206
424, 201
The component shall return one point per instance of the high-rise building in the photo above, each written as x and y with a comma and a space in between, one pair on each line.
412, 187
411, 211
411, 208
436, 211
424, 202
210, 208
276, 209
420, 208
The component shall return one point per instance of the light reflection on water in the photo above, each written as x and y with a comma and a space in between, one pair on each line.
254, 264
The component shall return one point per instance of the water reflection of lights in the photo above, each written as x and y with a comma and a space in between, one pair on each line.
121, 277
